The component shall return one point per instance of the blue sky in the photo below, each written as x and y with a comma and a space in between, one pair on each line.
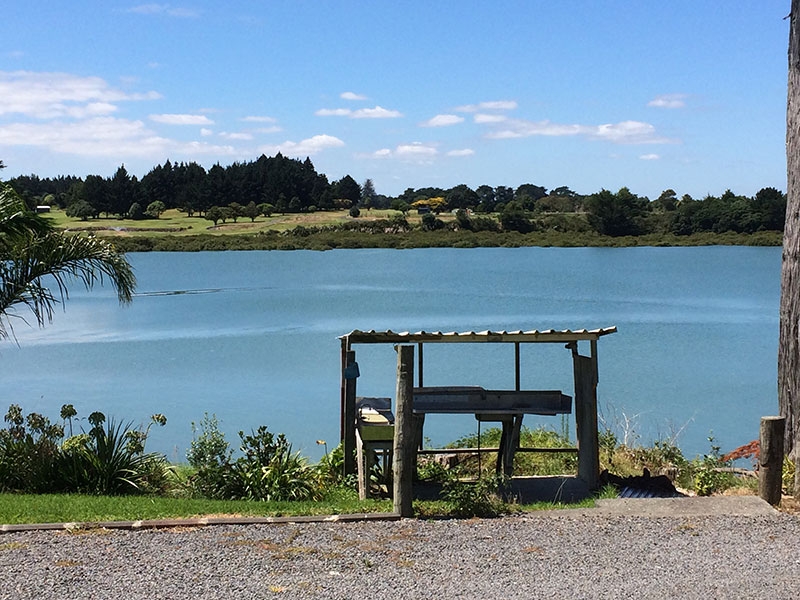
689, 95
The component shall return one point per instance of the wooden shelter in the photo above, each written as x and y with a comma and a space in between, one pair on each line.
504, 406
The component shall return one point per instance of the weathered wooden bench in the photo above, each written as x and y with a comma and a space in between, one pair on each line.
504, 406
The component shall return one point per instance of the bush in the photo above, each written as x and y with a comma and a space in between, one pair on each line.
210, 455
266, 470
110, 459
481, 498
36, 458
29, 453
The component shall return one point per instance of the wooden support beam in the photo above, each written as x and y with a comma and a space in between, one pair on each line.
404, 452
770, 459
585, 372
349, 415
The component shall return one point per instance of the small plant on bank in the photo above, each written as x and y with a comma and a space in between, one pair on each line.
481, 498
708, 477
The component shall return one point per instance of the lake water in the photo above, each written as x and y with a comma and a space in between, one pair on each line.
252, 338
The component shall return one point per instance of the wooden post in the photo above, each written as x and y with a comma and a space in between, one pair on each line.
403, 449
770, 459
585, 371
349, 416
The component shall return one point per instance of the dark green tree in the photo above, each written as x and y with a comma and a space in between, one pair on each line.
616, 214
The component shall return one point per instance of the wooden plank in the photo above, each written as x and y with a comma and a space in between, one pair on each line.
404, 452
476, 400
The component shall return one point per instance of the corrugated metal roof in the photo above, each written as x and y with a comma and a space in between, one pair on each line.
535, 335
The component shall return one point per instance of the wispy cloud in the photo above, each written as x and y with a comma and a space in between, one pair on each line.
650, 157
669, 101
241, 136
103, 137
462, 152
443, 121
303, 148
258, 119
55, 95
413, 152
352, 96
492, 105
625, 132
362, 113
484, 118
181, 119
164, 9
333, 112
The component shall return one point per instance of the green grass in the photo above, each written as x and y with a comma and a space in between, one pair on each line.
76, 508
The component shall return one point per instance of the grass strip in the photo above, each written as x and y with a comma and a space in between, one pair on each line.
77, 508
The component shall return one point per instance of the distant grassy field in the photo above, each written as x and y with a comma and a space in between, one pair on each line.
175, 231
174, 222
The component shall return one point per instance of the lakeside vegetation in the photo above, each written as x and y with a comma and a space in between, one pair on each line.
282, 203
61, 471
176, 231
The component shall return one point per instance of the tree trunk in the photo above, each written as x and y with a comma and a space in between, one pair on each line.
789, 341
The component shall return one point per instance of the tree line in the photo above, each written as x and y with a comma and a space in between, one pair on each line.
284, 185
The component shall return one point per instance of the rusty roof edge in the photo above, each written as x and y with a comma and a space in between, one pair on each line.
372, 336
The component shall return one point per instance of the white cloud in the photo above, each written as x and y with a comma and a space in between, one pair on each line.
668, 101
352, 96
625, 132
443, 121
493, 105
484, 118
417, 149
164, 9
375, 113
333, 112
650, 157
103, 137
363, 113
206, 132
257, 119
463, 152
413, 152
235, 136
44, 95
181, 119
628, 132
307, 147
521, 128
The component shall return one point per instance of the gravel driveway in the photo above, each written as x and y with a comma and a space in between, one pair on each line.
560, 554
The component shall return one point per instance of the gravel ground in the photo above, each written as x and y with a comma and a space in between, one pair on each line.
565, 554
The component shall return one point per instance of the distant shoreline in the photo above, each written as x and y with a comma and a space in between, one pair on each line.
320, 240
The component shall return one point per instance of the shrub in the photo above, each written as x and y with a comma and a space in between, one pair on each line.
35, 457
210, 455
29, 453
110, 459
268, 470
481, 498
708, 478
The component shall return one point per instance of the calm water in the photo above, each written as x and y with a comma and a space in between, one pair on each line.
252, 337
